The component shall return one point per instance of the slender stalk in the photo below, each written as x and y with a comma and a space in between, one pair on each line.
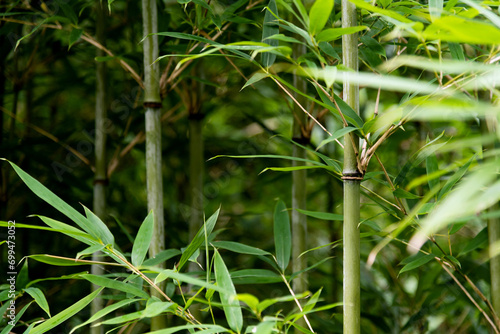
100, 177
299, 191
152, 105
352, 179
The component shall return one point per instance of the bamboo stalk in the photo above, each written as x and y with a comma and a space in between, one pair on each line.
152, 105
352, 179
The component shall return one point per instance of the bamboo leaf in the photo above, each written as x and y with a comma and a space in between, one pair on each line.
230, 303
337, 134
74, 36
282, 235
105, 311
417, 262
332, 34
210, 329
461, 30
65, 261
48, 196
319, 14
169, 273
116, 285
401, 193
65, 314
7, 329
271, 156
455, 178
157, 307
348, 111
270, 28
255, 276
322, 215
478, 241
90, 250
239, 248
98, 228
435, 8
255, 78
142, 240
198, 239
431, 166
39, 298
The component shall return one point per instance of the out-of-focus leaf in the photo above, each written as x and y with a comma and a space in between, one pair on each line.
417, 262
461, 30
209, 329
270, 28
319, 14
282, 235
435, 8
401, 193
142, 240
332, 34
478, 241
230, 303
322, 215
455, 178
162, 257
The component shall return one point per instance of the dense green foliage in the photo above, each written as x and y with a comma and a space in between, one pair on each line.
428, 77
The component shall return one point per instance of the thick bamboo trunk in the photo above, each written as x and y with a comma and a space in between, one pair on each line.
352, 182
152, 105
100, 177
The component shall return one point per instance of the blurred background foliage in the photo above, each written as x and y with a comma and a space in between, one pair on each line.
47, 91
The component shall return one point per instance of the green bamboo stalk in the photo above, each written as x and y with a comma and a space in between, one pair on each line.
152, 105
100, 177
352, 317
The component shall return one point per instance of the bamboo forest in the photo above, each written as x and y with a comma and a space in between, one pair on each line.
249, 166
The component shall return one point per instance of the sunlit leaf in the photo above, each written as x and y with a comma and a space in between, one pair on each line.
142, 240
319, 14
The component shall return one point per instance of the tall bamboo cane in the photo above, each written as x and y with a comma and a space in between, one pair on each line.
152, 105
352, 179
100, 177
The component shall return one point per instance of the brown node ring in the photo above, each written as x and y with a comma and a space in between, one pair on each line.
353, 176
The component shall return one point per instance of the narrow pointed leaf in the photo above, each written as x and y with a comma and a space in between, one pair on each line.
99, 229
270, 28
142, 240
419, 261
322, 215
39, 298
319, 14
116, 285
65, 314
169, 273
231, 305
198, 239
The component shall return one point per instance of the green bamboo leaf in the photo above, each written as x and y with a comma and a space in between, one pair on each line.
322, 215
319, 14
115, 285
255, 78
265, 327
337, 134
401, 193
329, 50
98, 228
169, 273
157, 307
348, 111
7, 329
431, 166
65, 314
39, 298
198, 239
69, 230
249, 299
282, 235
312, 301
90, 250
478, 241
484, 11
255, 276
457, 53
48, 196
271, 156
74, 36
209, 329
65, 261
461, 30
270, 28
455, 178
231, 305
239, 248
142, 241
332, 34
108, 309
435, 8
122, 318
417, 262
291, 169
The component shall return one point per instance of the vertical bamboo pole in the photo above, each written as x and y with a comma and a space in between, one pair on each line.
352, 182
152, 105
100, 177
